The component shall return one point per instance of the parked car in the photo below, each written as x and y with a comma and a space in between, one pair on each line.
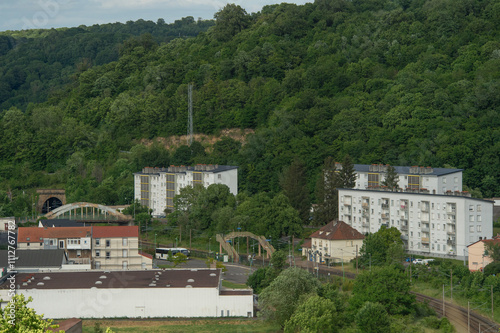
418, 261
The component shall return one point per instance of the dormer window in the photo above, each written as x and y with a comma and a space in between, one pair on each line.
28, 239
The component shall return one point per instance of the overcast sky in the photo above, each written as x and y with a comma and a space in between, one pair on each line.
46, 14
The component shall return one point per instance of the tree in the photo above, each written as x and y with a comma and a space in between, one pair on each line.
327, 194
294, 185
347, 175
372, 318
317, 314
391, 179
16, 316
388, 286
492, 268
492, 249
384, 246
281, 298
178, 258
229, 21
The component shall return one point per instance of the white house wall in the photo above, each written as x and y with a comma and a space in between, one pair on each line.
473, 219
140, 302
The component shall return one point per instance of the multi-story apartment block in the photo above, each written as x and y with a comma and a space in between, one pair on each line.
432, 213
117, 247
156, 187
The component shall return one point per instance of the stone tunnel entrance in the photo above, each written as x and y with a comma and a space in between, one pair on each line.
49, 200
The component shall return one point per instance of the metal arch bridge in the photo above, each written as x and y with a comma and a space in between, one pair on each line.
89, 212
224, 244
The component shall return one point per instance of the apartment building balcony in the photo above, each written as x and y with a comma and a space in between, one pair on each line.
365, 214
451, 221
404, 237
425, 240
404, 227
403, 207
424, 218
79, 261
385, 216
425, 208
451, 211
451, 241
451, 232
385, 206
365, 224
425, 249
425, 229
347, 201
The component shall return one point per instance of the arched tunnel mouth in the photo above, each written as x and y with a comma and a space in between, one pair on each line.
50, 204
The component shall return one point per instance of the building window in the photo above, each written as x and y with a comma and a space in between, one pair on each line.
125, 253
455, 180
471, 208
97, 242
108, 255
108, 243
478, 208
471, 228
124, 241
28, 244
471, 218
97, 253
97, 264
219, 176
479, 228
78, 253
124, 264
479, 218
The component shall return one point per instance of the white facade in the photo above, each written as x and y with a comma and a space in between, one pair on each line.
156, 187
143, 294
430, 224
421, 179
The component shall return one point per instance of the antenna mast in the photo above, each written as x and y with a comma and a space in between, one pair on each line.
190, 114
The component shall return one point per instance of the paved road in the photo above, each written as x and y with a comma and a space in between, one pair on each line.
235, 273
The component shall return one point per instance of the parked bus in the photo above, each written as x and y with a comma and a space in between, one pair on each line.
163, 252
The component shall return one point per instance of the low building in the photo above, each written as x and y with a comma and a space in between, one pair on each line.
5, 222
156, 187
132, 294
478, 259
35, 260
333, 243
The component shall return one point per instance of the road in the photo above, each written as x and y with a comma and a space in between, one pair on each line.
235, 273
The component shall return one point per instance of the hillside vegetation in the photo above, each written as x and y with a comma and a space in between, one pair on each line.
397, 82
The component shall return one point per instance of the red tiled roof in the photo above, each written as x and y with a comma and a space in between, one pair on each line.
337, 230
36, 234
147, 255
307, 244
115, 231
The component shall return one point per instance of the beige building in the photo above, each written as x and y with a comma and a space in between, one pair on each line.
477, 257
335, 242
117, 248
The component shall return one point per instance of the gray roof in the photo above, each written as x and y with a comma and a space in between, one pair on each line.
182, 169
173, 278
34, 258
405, 170
62, 223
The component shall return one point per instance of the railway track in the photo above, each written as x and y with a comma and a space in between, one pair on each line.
461, 318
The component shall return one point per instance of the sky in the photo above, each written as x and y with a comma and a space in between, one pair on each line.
46, 14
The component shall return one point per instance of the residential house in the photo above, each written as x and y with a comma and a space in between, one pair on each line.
117, 247
478, 259
333, 243
34, 260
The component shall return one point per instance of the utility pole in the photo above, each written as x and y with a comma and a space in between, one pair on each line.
190, 115
444, 313
451, 284
190, 238
468, 317
356, 259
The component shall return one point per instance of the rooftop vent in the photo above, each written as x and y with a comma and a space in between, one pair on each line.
98, 282
190, 280
189, 286
46, 277
194, 270
40, 284
152, 284
103, 277
213, 274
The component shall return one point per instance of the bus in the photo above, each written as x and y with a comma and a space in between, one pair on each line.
162, 252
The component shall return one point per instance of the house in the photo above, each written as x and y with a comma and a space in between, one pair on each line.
156, 187
433, 214
333, 243
56, 223
132, 294
76, 241
5, 222
35, 260
117, 247
478, 259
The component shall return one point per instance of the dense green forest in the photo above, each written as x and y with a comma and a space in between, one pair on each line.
385, 81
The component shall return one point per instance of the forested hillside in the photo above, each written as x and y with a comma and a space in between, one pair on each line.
386, 81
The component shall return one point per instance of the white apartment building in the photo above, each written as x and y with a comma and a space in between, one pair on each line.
433, 214
156, 187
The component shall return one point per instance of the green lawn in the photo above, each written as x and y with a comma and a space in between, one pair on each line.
232, 285
185, 326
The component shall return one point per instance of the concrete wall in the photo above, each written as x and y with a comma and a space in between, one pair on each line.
140, 302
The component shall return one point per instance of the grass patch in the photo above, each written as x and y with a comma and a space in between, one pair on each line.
185, 326
232, 285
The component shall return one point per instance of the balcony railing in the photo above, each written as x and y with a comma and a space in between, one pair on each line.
404, 227
426, 229
425, 240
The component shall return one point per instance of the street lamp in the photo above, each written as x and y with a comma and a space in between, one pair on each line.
209, 248
155, 240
